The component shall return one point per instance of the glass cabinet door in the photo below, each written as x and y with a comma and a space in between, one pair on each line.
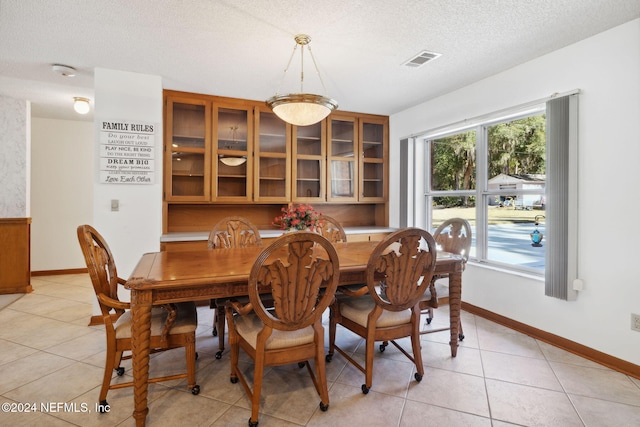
341, 157
232, 130
309, 163
187, 158
273, 161
373, 136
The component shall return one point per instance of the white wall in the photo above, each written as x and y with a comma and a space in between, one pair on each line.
61, 191
606, 68
136, 228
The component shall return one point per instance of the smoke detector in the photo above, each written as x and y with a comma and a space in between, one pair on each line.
63, 70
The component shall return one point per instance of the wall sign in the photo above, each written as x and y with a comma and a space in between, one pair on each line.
127, 152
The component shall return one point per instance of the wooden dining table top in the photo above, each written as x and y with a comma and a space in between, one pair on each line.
167, 269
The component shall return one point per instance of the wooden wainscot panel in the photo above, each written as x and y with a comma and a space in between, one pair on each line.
15, 255
351, 215
203, 217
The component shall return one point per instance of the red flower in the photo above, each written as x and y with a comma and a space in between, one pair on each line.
297, 217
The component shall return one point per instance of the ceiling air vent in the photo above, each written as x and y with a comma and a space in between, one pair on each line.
421, 58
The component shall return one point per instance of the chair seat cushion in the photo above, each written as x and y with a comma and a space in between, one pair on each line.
248, 327
186, 321
442, 291
357, 309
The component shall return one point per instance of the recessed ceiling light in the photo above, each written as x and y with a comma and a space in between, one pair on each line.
64, 70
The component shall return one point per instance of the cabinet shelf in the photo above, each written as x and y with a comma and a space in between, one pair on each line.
183, 149
272, 178
187, 174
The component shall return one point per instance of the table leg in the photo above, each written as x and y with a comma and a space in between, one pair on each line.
455, 301
140, 339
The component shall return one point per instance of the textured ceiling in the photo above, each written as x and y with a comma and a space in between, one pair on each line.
239, 48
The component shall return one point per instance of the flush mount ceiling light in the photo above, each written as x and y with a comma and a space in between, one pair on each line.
302, 109
81, 105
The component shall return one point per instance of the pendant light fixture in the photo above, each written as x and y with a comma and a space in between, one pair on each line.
302, 109
232, 160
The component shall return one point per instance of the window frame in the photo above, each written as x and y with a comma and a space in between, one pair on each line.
482, 194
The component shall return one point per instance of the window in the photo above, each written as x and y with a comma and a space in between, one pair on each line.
494, 175
514, 175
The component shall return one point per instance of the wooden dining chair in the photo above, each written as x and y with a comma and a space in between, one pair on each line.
172, 325
229, 232
453, 236
331, 229
398, 273
294, 268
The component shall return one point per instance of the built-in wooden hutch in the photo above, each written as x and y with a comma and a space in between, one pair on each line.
227, 156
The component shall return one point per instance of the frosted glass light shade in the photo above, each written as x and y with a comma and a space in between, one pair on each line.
302, 109
233, 161
81, 105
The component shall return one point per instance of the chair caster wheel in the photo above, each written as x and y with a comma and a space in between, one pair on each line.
197, 355
120, 371
418, 377
301, 365
429, 319
324, 407
214, 332
195, 390
219, 355
365, 389
252, 424
460, 337
328, 358
234, 380
382, 348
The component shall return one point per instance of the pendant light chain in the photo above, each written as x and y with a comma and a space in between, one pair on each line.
302, 69
287, 68
313, 59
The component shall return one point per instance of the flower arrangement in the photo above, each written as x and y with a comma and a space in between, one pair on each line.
298, 217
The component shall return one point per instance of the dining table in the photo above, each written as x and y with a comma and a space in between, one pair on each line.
170, 277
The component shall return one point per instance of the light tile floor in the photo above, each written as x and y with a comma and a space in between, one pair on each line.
48, 355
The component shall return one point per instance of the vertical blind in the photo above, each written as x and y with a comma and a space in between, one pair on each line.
404, 183
562, 197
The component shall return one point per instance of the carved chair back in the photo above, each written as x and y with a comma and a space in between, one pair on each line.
454, 236
101, 266
234, 232
296, 266
331, 229
400, 269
